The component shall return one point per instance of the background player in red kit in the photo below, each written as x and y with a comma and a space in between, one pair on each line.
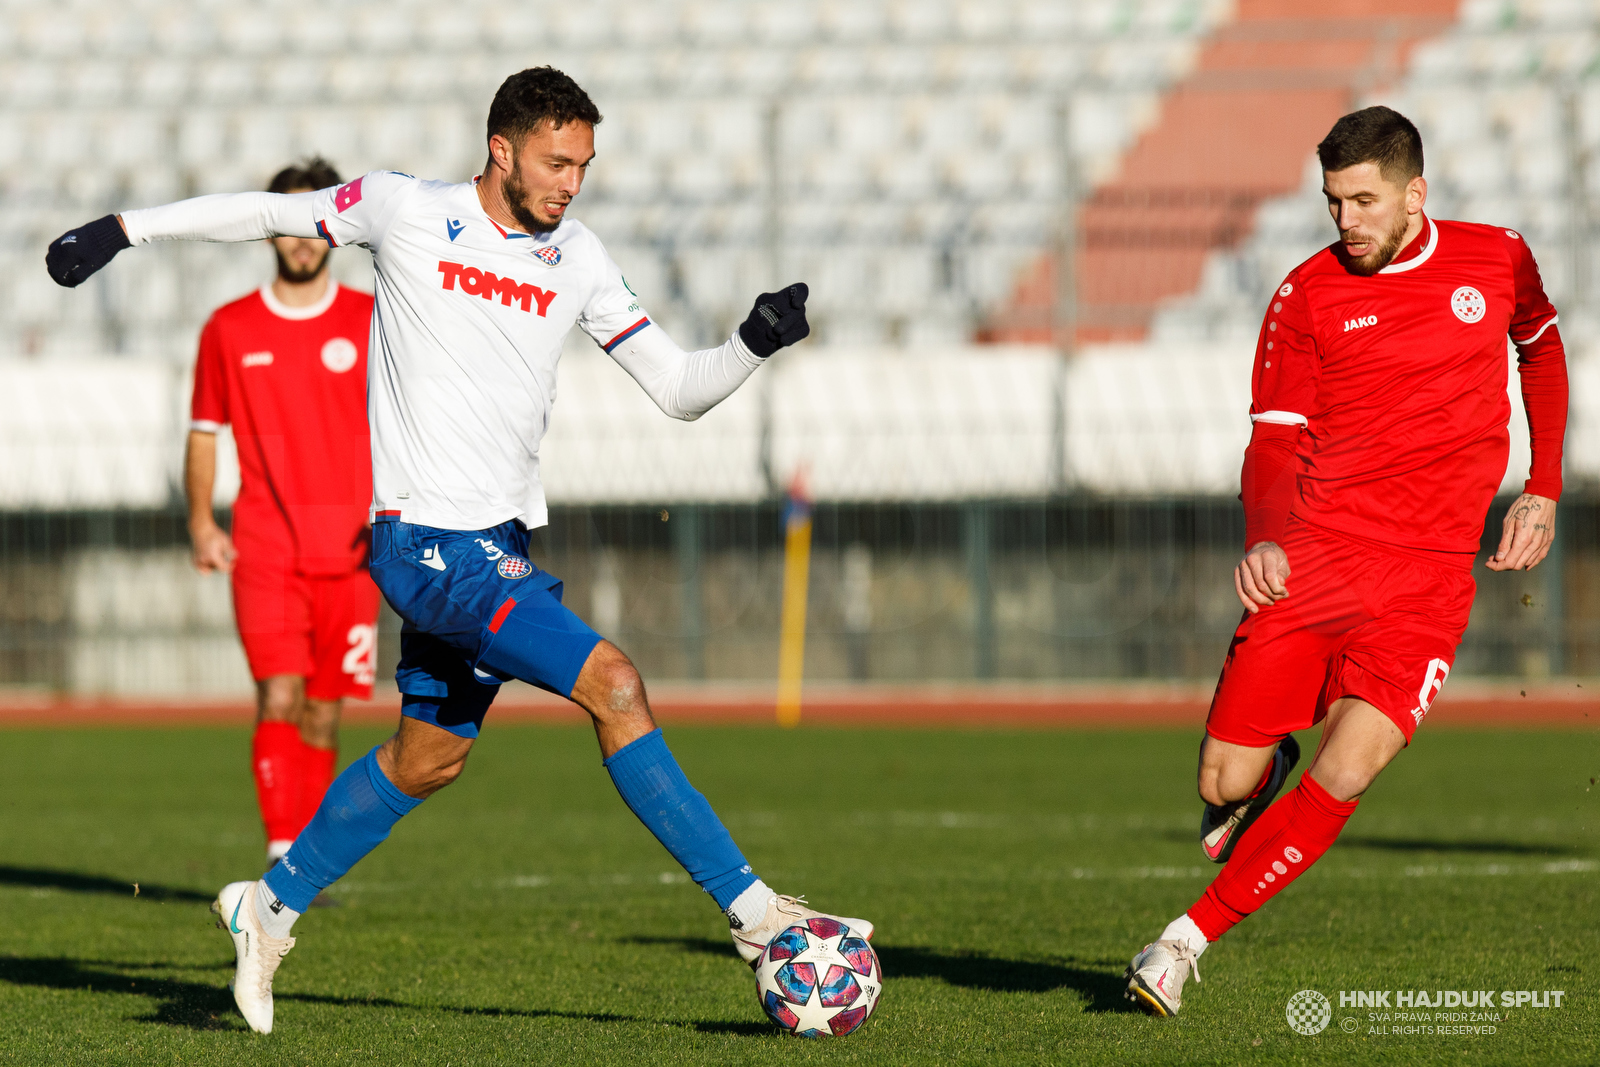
1379, 440
287, 367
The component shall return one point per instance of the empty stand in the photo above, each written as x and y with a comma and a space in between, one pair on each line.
903, 152
1231, 134
1508, 103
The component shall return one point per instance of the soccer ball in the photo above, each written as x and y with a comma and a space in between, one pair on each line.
818, 978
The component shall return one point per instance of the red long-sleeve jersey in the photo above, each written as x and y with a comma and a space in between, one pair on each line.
1379, 402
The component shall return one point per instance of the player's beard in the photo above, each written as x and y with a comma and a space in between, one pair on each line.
517, 199
299, 276
1379, 257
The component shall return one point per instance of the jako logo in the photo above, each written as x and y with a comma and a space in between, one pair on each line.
475, 282
1356, 324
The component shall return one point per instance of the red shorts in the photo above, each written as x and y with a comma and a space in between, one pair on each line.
1358, 622
323, 629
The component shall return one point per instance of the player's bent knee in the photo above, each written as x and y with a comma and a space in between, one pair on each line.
1209, 791
1343, 784
1216, 787
280, 699
610, 686
624, 689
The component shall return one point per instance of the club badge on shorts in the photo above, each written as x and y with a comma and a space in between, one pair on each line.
514, 567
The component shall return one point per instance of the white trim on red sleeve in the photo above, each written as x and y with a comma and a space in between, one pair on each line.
1281, 418
1539, 333
205, 426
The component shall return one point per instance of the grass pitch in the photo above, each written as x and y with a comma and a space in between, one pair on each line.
524, 916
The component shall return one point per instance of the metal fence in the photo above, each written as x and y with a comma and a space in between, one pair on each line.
1067, 587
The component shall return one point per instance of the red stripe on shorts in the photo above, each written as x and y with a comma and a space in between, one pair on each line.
500, 615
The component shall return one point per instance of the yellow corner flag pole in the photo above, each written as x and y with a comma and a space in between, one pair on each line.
796, 580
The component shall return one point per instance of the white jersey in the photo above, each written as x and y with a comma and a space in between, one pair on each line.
467, 331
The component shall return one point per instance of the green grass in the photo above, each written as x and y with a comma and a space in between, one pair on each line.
523, 916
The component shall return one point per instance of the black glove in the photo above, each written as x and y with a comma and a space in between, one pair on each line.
78, 253
777, 321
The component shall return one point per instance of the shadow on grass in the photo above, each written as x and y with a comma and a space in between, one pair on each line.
195, 1005
762, 1029
72, 882
1421, 844
1098, 981
529, 1013
200, 1006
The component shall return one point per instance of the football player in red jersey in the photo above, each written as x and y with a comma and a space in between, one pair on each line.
287, 367
1380, 411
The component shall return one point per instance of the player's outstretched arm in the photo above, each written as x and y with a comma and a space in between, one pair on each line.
77, 254
686, 385
1526, 534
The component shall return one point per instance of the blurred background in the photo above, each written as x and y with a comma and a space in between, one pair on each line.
1039, 236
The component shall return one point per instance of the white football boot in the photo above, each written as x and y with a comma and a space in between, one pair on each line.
782, 913
256, 955
1156, 977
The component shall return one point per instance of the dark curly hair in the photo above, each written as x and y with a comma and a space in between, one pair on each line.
534, 96
312, 173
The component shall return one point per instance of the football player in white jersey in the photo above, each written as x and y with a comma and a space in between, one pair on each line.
478, 284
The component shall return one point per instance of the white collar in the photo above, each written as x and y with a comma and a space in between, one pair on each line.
1421, 257
310, 311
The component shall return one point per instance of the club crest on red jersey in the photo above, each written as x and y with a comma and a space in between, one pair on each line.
514, 567
1468, 304
339, 354
548, 256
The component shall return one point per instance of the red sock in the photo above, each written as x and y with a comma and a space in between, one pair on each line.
316, 774
275, 758
1288, 838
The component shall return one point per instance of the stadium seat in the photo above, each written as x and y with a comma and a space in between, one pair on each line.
1505, 121
901, 108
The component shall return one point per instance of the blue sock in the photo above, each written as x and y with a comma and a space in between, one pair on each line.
359, 810
654, 787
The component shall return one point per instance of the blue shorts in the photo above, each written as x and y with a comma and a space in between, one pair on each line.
477, 613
